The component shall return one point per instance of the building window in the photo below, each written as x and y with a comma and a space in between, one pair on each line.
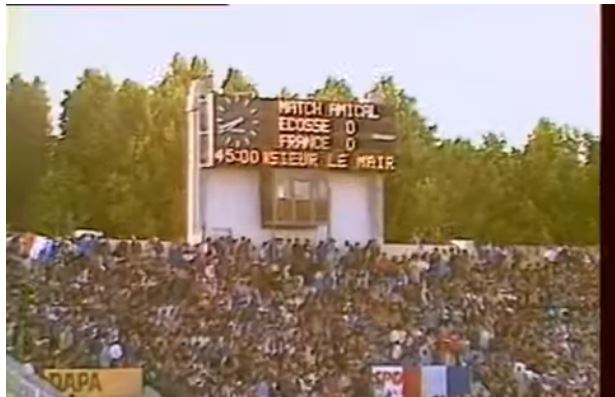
322, 190
302, 190
283, 191
291, 201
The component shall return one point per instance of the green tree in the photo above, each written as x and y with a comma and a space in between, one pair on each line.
27, 129
237, 83
589, 190
128, 206
412, 182
549, 178
334, 90
285, 93
91, 147
53, 204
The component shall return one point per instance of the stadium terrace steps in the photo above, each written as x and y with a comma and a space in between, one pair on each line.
20, 383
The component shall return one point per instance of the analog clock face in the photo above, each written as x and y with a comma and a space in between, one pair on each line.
236, 119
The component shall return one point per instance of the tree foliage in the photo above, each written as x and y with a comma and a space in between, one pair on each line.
120, 165
27, 125
237, 83
334, 90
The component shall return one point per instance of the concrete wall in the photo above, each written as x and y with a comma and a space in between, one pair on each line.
356, 212
230, 204
409, 249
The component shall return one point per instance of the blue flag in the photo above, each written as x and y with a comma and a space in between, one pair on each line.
457, 381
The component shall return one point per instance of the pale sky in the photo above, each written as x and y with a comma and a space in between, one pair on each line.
472, 69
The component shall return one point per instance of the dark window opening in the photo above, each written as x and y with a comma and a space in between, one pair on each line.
293, 201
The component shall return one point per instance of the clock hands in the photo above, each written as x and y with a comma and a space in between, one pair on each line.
239, 127
229, 126
242, 131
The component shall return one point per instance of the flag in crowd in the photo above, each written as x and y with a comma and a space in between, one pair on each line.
424, 381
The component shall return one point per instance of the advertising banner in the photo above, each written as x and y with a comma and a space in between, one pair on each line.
124, 382
388, 380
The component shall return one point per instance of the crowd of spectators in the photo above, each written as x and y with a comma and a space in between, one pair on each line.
294, 318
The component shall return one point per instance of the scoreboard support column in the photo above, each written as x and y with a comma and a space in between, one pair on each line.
200, 142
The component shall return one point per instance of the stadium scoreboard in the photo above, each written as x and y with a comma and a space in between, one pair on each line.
296, 133
295, 167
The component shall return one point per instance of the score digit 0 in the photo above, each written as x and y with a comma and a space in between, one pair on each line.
351, 127
351, 144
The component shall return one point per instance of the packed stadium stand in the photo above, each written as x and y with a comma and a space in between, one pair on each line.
292, 318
